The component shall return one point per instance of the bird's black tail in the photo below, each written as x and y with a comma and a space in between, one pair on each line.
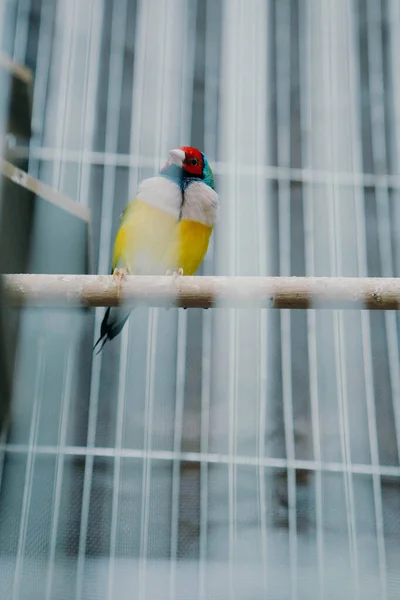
111, 325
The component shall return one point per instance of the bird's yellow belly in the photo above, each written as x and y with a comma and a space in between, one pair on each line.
144, 241
193, 243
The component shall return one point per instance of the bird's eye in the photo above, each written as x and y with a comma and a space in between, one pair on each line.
193, 161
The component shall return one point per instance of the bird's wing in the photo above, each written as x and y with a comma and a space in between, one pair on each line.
147, 232
121, 237
143, 239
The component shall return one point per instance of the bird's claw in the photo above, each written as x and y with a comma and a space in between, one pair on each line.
175, 274
119, 276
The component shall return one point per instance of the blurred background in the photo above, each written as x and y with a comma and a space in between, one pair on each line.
204, 454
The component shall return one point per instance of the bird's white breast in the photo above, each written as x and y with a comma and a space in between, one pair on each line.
161, 193
200, 204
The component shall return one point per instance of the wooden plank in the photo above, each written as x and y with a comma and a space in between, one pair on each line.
43, 190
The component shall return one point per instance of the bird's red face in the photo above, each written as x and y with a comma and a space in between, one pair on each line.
187, 158
193, 162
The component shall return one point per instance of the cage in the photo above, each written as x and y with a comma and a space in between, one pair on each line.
227, 453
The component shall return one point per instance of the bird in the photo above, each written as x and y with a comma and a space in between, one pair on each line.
166, 229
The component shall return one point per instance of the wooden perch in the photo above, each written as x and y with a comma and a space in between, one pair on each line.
204, 292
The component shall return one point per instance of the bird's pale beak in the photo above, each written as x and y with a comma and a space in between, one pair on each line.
177, 156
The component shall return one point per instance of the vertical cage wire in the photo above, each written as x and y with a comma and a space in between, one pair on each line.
114, 98
360, 222
30, 466
283, 75
210, 147
380, 163
59, 469
306, 76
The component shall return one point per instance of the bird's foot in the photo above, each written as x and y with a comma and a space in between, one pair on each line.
119, 276
175, 274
